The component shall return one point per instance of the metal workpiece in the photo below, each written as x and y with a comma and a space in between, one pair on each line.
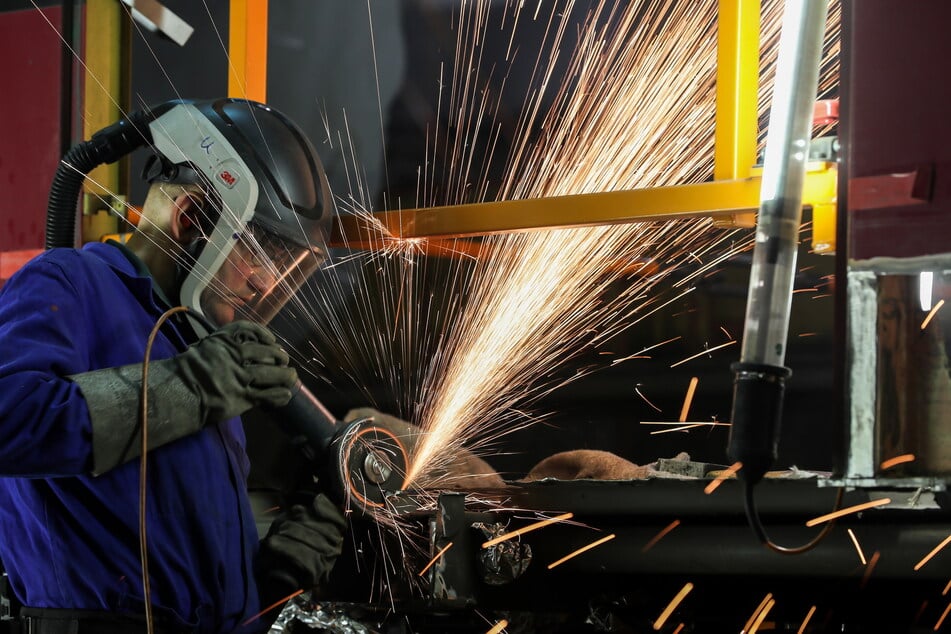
452, 577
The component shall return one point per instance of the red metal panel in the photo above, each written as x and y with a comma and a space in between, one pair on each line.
899, 124
30, 48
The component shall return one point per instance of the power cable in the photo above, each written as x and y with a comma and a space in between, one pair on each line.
756, 524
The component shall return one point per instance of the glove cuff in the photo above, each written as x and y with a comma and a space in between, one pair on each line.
112, 396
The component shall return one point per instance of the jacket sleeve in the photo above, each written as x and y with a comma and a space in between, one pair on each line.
44, 421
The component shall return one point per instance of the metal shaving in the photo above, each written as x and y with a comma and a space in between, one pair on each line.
301, 612
504, 562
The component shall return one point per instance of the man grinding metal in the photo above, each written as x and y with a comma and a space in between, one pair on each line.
235, 220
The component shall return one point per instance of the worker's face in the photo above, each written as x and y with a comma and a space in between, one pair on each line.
259, 275
242, 280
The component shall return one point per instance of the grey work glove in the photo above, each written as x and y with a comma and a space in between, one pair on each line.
463, 470
235, 368
300, 549
222, 376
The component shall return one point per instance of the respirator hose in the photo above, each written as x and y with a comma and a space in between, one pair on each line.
106, 146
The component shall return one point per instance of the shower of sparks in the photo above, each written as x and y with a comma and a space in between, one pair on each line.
641, 75
805, 621
848, 511
729, 472
432, 561
659, 623
526, 529
858, 547
931, 314
933, 552
760, 608
688, 399
583, 549
944, 615
659, 536
700, 354
897, 460
498, 627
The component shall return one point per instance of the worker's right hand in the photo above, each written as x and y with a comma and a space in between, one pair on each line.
235, 368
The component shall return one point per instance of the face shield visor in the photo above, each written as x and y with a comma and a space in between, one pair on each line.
266, 213
261, 273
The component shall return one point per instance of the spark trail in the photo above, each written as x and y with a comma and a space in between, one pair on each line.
637, 111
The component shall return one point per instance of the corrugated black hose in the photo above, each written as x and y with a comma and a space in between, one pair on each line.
106, 146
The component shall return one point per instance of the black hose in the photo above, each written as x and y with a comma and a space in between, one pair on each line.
64, 192
106, 146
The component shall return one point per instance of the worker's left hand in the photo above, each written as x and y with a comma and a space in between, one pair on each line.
300, 549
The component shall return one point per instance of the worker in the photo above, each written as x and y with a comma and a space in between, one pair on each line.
234, 221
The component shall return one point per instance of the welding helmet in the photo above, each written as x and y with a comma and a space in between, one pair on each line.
267, 204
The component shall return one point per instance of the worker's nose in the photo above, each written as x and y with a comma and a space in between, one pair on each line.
261, 280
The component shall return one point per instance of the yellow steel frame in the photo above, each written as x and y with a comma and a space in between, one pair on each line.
103, 98
247, 50
732, 198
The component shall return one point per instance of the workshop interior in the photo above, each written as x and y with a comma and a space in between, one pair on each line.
669, 275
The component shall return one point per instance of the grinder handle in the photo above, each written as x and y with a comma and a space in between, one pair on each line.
305, 416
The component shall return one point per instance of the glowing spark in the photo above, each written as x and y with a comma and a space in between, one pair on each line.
931, 314
848, 511
805, 621
761, 616
498, 627
646, 400
946, 589
688, 399
640, 354
726, 473
858, 547
679, 628
897, 460
272, 606
759, 608
659, 536
805, 290
933, 552
435, 559
684, 427
921, 610
707, 351
872, 562
659, 623
808, 334
944, 615
727, 333
575, 553
526, 529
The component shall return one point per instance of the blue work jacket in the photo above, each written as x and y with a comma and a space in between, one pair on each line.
69, 539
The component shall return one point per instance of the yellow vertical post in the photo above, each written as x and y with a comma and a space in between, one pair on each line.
103, 96
737, 85
247, 50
